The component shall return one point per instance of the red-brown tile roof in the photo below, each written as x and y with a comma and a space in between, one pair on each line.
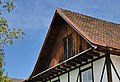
97, 31
16, 80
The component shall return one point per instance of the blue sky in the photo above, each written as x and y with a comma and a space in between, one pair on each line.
34, 17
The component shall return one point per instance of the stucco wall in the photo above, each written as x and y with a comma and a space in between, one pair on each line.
73, 75
64, 78
116, 61
97, 69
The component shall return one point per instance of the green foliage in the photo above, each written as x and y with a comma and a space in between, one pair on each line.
5, 79
7, 35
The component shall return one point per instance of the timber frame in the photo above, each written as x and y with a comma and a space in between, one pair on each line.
89, 56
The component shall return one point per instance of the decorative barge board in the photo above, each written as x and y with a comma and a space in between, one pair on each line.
78, 48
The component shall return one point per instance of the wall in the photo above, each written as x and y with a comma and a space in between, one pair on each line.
78, 44
97, 70
72, 75
116, 61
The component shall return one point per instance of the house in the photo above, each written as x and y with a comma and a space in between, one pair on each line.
16, 80
78, 48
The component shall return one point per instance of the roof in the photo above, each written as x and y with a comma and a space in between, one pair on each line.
93, 30
16, 80
97, 31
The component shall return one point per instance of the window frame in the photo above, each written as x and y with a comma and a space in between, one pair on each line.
68, 51
86, 69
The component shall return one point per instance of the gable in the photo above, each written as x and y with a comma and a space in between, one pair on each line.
78, 44
53, 44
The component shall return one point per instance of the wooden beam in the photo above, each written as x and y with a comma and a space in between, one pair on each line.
81, 58
93, 54
76, 61
54, 71
87, 56
67, 66
108, 67
71, 63
61, 68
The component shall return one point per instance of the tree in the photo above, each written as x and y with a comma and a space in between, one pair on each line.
7, 35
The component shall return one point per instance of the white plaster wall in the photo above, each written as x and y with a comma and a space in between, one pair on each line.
73, 75
54, 79
116, 61
97, 70
86, 66
64, 78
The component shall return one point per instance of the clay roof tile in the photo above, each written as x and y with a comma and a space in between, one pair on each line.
97, 31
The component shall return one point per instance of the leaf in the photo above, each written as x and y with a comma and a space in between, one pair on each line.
0, 64
1, 41
7, 34
8, 10
10, 41
4, 6
22, 32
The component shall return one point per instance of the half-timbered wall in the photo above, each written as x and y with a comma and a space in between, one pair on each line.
116, 62
78, 44
72, 76
99, 72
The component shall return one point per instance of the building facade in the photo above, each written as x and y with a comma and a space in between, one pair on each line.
78, 48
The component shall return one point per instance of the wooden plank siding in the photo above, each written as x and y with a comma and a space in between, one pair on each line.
78, 44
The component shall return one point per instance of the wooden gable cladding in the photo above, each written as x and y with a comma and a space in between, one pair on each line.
45, 54
78, 44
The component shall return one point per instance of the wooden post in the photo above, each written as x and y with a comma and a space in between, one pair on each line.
108, 68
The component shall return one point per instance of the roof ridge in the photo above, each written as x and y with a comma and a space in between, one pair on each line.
95, 18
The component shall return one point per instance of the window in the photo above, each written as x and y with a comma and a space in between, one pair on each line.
68, 47
87, 76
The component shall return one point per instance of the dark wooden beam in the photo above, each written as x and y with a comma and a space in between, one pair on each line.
81, 58
49, 72
54, 71
67, 66
91, 53
110, 50
108, 67
76, 61
87, 56
61, 68
71, 63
